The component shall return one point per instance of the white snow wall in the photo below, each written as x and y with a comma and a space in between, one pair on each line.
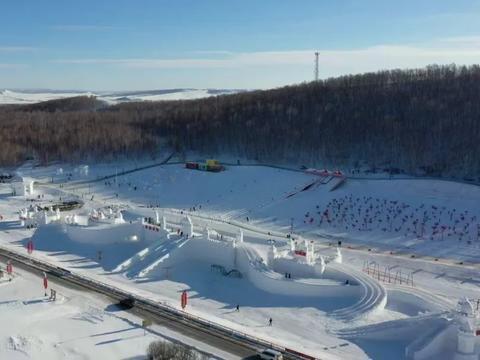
117, 233
212, 252
275, 283
430, 347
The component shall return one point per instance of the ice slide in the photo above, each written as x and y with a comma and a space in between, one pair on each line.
374, 295
370, 293
393, 328
435, 303
149, 258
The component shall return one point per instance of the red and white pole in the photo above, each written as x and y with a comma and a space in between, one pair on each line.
184, 299
30, 247
9, 269
45, 283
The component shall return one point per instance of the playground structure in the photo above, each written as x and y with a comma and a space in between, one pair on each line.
164, 241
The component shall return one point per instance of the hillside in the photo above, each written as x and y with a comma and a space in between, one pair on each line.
418, 121
33, 96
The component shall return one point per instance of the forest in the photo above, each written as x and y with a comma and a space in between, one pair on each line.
418, 121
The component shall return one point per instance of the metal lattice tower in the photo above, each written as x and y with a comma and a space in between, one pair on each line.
316, 66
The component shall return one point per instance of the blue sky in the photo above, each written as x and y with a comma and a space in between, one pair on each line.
147, 44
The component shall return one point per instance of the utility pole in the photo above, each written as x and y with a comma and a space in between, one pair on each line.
316, 65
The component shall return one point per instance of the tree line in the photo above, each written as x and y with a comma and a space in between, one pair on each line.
418, 120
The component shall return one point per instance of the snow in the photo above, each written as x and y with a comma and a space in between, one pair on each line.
31, 97
77, 325
316, 313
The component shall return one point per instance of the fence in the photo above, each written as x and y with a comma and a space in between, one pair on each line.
385, 274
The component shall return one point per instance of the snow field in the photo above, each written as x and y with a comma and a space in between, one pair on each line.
261, 195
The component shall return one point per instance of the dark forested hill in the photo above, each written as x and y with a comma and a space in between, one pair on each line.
410, 119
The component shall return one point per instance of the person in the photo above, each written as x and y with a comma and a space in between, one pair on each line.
238, 308
270, 322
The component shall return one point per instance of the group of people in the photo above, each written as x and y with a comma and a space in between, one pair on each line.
424, 221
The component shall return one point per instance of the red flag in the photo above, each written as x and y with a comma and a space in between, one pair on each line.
9, 268
45, 282
184, 299
30, 247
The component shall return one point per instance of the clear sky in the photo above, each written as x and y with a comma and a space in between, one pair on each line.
157, 44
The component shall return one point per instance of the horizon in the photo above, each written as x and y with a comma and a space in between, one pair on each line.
127, 46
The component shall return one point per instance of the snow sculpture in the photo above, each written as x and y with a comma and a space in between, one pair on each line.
22, 216
44, 218
466, 331
187, 226
338, 256
28, 183
30, 217
240, 236
292, 245
272, 254
310, 252
119, 218
321, 262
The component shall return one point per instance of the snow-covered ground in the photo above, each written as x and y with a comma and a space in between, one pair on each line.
35, 96
433, 221
77, 325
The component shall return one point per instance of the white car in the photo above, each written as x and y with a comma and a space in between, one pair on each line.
270, 354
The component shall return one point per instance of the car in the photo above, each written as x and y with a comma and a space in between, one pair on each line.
270, 354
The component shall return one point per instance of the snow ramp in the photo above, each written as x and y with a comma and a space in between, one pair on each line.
144, 261
374, 295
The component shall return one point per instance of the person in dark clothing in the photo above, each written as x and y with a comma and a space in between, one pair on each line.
238, 308
270, 322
